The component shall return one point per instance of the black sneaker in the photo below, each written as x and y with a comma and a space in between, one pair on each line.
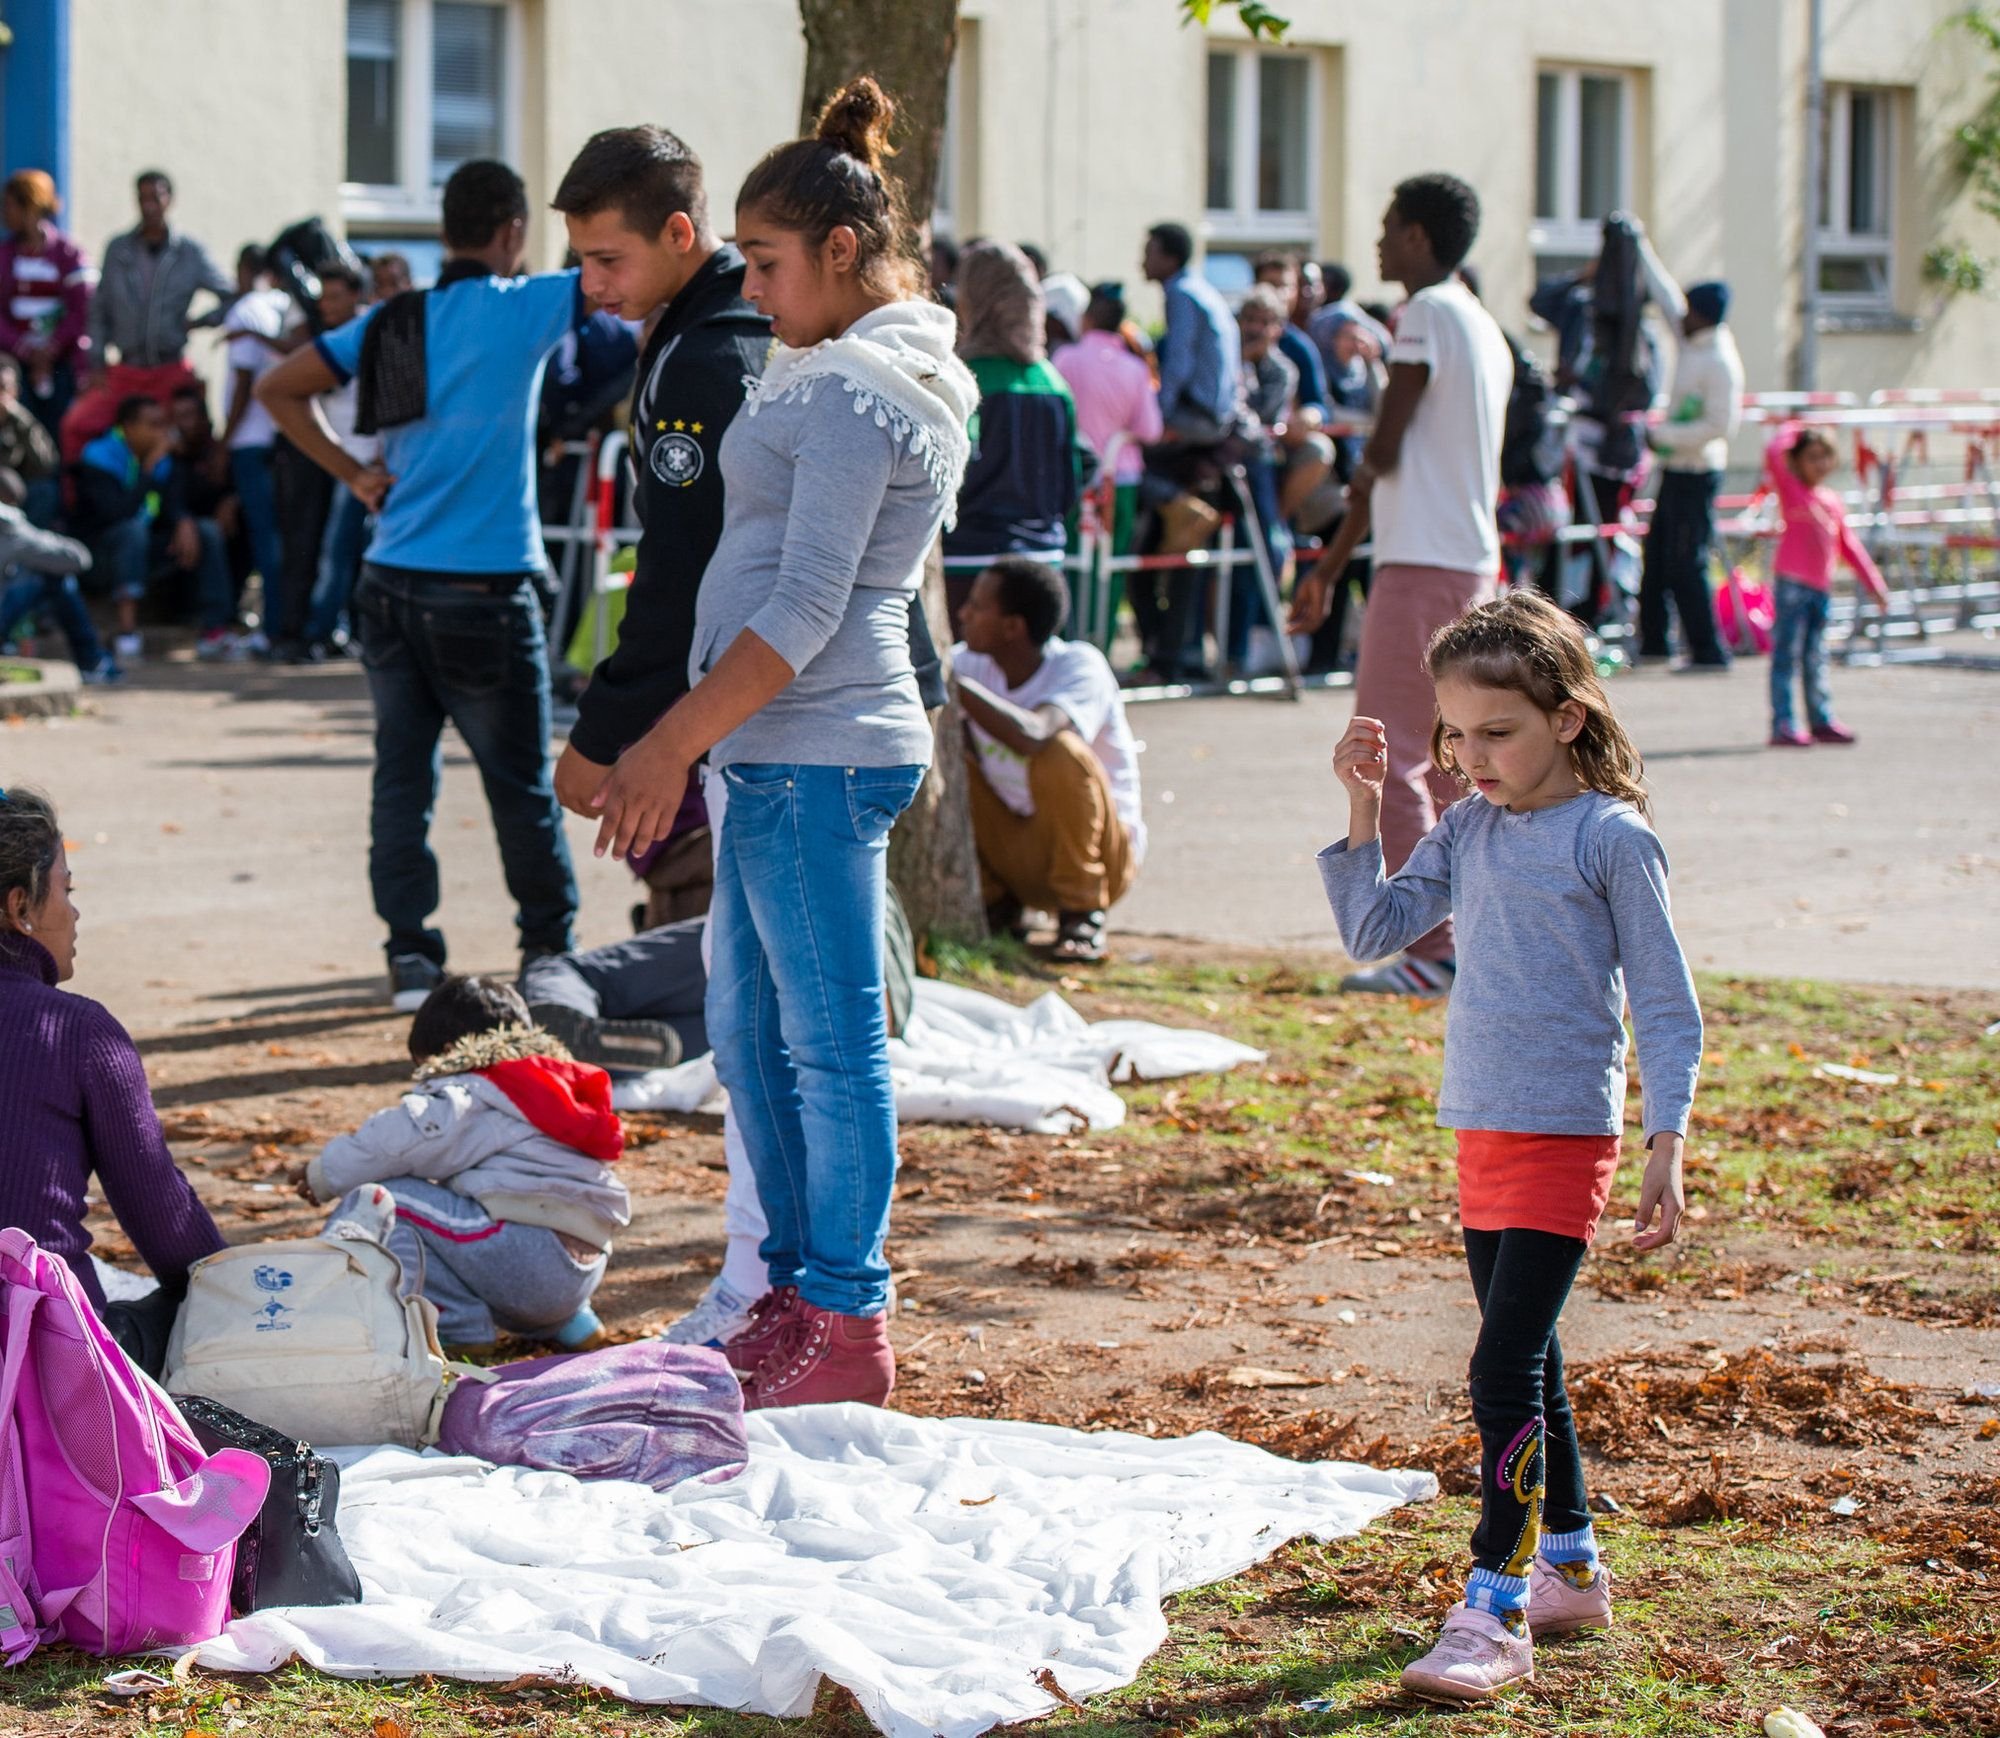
412, 977
625, 1046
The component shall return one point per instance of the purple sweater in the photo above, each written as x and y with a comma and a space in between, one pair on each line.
73, 1101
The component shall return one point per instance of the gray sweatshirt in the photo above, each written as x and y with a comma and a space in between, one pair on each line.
462, 1131
834, 498
1561, 916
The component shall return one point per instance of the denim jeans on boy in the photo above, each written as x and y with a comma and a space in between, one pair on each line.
485, 1273
257, 494
340, 552
1798, 648
55, 595
468, 648
796, 1013
129, 553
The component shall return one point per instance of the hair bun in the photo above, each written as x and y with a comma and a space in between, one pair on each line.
856, 120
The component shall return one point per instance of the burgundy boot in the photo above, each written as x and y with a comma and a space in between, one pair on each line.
755, 1341
826, 1358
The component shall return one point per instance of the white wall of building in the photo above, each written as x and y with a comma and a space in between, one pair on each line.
1081, 122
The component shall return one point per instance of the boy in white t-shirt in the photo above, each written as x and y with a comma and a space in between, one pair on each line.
1426, 489
1055, 771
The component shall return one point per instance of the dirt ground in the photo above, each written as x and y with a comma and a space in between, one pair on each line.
1167, 1286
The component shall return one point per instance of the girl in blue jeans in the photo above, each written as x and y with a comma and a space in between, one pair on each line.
838, 477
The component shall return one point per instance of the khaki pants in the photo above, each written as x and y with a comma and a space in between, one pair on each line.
1406, 605
1073, 853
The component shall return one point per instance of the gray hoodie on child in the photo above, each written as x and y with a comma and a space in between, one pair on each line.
506, 1119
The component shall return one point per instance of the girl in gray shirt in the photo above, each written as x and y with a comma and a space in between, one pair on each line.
838, 477
1558, 888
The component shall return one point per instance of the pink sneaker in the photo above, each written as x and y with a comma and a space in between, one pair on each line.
758, 1338
1557, 1606
1789, 736
1476, 1657
1832, 731
825, 1358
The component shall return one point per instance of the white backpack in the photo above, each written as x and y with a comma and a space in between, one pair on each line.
312, 1337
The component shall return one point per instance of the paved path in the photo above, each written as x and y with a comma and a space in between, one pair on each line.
219, 819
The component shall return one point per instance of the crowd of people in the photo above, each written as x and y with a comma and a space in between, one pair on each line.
813, 413
179, 507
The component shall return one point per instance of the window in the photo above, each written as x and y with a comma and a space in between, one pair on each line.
1583, 160
1263, 145
430, 84
1856, 198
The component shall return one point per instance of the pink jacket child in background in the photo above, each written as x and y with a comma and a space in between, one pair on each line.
1816, 539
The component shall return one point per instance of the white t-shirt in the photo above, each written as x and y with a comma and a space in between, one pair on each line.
1435, 509
1075, 678
261, 312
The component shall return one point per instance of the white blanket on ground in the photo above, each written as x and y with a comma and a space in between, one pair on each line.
936, 1567
966, 1057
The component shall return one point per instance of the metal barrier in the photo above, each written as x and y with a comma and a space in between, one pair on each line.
1897, 520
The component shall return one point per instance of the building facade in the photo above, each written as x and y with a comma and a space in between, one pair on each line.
1077, 123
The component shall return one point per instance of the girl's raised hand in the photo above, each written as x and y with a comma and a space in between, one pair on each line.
1661, 1194
1361, 759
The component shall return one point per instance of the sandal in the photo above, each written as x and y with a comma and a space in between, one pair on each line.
1079, 937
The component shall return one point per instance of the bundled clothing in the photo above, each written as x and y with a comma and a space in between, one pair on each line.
500, 1159
509, 1121
74, 1106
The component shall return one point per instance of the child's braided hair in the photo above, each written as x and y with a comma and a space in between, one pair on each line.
1524, 644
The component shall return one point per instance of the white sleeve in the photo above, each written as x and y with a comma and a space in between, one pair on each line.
1415, 341
1086, 693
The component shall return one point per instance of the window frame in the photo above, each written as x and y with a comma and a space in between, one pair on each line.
1568, 234
1242, 222
411, 200
1835, 240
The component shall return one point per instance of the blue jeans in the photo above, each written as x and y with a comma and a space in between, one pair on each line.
340, 551
257, 492
468, 648
482, 1273
57, 595
1798, 647
128, 554
797, 1016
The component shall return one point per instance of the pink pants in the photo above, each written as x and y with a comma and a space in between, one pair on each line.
1406, 605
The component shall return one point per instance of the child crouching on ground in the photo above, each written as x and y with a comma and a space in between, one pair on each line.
1559, 891
499, 1159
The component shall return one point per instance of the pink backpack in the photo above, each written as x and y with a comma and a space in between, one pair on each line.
117, 1532
1745, 613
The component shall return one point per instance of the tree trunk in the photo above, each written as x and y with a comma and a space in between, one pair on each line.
907, 45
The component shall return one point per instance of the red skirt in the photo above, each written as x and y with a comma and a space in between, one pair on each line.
1517, 1182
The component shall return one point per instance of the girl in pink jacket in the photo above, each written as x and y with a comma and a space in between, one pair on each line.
1816, 539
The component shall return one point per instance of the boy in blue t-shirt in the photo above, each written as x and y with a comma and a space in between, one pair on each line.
448, 610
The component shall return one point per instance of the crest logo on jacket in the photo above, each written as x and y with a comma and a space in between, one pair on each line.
677, 459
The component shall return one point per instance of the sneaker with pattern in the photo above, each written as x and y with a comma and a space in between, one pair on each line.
1476, 1656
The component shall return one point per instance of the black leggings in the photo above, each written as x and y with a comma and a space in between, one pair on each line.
1530, 1467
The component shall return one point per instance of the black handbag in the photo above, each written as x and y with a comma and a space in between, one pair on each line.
291, 1554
